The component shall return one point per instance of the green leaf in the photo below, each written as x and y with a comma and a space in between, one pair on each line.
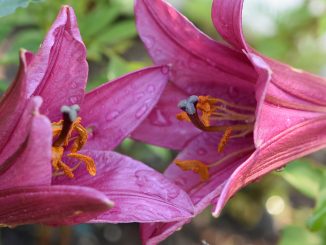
3, 86
9, 6
318, 220
98, 20
303, 176
119, 66
28, 39
299, 236
121, 31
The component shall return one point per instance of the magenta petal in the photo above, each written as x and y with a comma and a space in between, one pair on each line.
165, 129
13, 103
227, 18
115, 109
54, 205
140, 193
58, 72
153, 233
276, 152
30, 163
194, 57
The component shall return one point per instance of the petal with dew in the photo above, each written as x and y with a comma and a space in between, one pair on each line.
30, 164
202, 194
13, 103
140, 193
121, 105
274, 153
58, 72
194, 57
22, 128
165, 129
227, 18
53, 205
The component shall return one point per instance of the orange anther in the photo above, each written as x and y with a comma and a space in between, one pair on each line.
196, 166
224, 139
183, 116
89, 162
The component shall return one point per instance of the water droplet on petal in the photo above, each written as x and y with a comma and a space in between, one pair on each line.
158, 118
73, 85
165, 70
150, 88
112, 115
157, 52
74, 99
149, 41
201, 152
141, 111
138, 96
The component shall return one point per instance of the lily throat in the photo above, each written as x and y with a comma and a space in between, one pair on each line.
210, 114
69, 135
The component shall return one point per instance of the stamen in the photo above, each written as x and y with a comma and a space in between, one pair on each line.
203, 111
195, 165
89, 162
183, 116
63, 130
208, 108
224, 139
203, 169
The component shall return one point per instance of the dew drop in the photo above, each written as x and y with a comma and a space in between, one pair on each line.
149, 41
157, 52
141, 111
112, 115
201, 152
73, 85
150, 88
138, 96
74, 99
158, 118
165, 69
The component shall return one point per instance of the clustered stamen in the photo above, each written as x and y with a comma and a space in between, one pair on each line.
63, 132
203, 112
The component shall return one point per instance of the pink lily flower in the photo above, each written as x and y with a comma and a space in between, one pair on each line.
112, 187
246, 115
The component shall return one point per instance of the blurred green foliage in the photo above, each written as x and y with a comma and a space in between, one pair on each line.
9, 6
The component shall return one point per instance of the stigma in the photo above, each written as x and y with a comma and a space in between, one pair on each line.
69, 135
210, 114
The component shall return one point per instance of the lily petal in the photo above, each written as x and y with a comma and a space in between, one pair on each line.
165, 128
145, 196
227, 18
194, 57
58, 72
11, 108
121, 105
153, 233
273, 154
54, 205
202, 194
30, 163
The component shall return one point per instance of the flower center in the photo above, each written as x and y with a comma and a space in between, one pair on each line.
211, 114
69, 134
